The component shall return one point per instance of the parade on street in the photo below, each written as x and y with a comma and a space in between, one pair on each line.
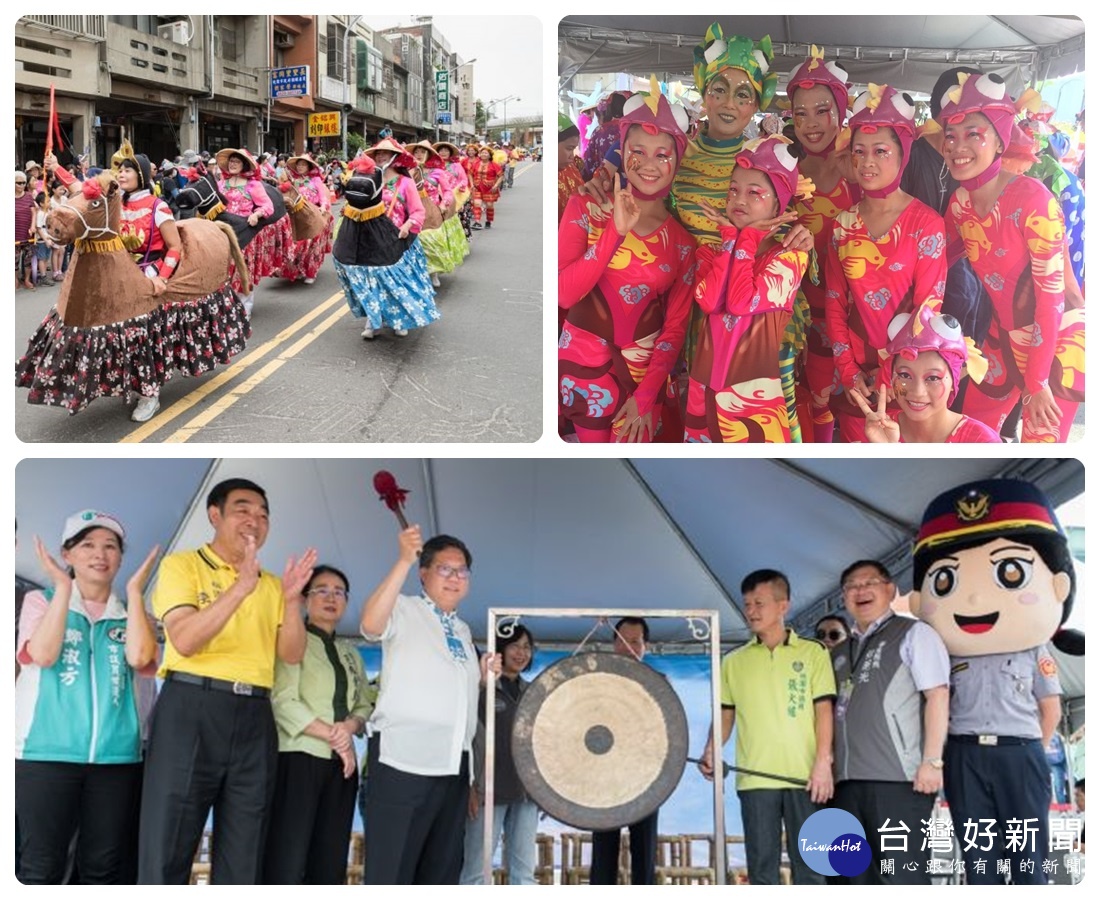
308, 375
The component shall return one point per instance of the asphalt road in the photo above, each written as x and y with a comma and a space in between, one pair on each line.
307, 375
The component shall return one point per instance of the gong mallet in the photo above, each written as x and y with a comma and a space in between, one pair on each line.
392, 495
727, 768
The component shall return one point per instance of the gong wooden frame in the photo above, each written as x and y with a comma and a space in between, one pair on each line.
703, 625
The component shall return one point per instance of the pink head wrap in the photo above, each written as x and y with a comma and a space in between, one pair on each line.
655, 114
918, 332
772, 156
816, 71
880, 106
988, 95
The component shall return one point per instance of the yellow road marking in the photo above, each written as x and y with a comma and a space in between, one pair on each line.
235, 369
208, 415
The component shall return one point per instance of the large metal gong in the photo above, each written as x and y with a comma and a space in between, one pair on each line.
600, 740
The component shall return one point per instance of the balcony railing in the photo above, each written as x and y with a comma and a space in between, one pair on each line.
136, 56
92, 28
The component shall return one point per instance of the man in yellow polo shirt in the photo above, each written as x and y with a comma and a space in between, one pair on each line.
212, 742
779, 689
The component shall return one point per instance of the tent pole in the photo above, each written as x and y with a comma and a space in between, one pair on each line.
1023, 37
429, 493
685, 540
855, 501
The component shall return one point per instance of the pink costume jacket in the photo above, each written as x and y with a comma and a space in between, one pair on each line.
403, 202
627, 301
458, 176
870, 280
735, 392
314, 189
1017, 253
443, 185
244, 199
970, 431
818, 214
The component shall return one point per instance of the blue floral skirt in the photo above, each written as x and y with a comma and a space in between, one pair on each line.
397, 296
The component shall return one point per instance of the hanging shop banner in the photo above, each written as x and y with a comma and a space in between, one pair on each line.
290, 81
324, 124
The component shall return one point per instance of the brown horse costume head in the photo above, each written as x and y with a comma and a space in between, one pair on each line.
104, 285
306, 220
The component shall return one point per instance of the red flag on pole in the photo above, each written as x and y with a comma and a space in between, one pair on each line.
53, 128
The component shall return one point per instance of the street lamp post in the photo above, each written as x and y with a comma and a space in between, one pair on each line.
504, 101
450, 72
347, 87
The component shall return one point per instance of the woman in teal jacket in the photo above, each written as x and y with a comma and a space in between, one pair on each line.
77, 727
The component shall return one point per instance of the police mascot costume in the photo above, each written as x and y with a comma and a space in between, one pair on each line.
992, 573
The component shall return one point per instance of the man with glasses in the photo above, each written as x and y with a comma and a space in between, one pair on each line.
212, 741
891, 723
422, 729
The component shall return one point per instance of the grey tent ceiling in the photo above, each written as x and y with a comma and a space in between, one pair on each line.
905, 51
644, 533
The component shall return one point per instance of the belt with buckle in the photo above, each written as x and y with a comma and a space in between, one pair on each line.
240, 688
990, 740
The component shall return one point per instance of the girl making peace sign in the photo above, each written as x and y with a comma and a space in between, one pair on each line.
625, 278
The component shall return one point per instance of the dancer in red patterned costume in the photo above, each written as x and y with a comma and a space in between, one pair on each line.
888, 253
245, 196
303, 259
486, 177
747, 288
923, 364
625, 276
819, 104
1012, 231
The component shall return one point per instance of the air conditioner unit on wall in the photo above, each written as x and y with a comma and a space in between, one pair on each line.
284, 41
173, 31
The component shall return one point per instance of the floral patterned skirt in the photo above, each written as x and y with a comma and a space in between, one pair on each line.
263, 252
397, 296
70, 367
301, 259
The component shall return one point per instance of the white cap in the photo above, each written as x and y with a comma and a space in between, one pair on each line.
91, 518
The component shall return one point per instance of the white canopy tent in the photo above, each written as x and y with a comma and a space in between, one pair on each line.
642, 533
649, 533
909, 52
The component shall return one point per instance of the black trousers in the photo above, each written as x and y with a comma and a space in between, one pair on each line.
207, 750
416, 823
992, 786
54, 801
310, 828
643, 853
873, 802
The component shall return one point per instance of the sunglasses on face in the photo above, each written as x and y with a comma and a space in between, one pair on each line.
833, 634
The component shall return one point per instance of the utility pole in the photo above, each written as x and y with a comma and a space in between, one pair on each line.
347, 86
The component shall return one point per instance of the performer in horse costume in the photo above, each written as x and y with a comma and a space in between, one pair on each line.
120, 329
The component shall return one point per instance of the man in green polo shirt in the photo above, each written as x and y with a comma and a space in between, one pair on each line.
779, 689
